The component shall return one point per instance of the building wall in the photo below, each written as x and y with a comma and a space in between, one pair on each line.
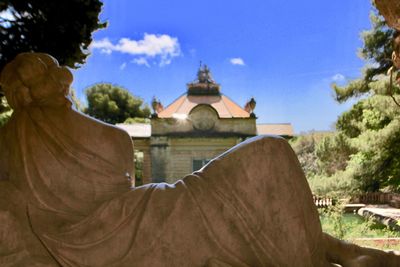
201, 135
245, 126
172, 157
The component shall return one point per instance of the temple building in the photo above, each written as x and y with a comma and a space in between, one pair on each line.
196, 127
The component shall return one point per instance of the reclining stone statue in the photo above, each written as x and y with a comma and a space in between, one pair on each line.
66, 200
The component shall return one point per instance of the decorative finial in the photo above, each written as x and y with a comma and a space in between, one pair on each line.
157, 106
204, 84
250, 106
204, 74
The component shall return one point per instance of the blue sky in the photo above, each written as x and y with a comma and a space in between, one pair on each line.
285, 54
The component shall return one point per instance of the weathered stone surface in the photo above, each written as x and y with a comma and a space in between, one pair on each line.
65, 198
172, 157
390, 9
224, 127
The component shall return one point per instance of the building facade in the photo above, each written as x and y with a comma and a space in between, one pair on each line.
196, 127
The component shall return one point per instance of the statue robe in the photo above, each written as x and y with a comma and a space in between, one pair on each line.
251, 206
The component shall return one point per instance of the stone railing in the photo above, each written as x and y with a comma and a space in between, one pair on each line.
392, 199
377, 198
323, 202
395, 201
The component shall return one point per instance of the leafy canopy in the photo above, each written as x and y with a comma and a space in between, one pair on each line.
372, 126
377, 52
114, 104
323, 157
60, 28
364, 153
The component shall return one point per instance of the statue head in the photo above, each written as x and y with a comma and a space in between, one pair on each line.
35, 79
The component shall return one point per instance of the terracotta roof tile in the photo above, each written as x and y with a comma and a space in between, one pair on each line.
225, 107
234, 109
171, 109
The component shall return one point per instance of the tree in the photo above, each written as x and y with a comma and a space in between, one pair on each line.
323, 156
60, 28
305, 148
332, 153
5, 111
372, 127
75, 101
114, 104
370, 130
377, 52
364, 153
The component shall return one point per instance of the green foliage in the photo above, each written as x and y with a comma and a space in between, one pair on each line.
339, 185
377, 47
75, 101
377, 52
348, 122
304, 146
335, 216
354, 88
60, 28
333, 152
351, 226
377, 163
372, 127
114, 104
363, 155
138, 158
4, 107
365, 152
369, 133
5, 111
373, 113
323, 156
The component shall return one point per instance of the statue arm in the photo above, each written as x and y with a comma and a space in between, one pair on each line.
351, 255
3, 158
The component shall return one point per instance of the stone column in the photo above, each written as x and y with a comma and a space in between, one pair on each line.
160, 155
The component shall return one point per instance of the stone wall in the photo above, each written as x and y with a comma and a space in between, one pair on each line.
171, 126
172, 158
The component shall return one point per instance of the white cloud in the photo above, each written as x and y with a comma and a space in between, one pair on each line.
104, 45
123, 65
338, 77
237, 61
161, 46
141, 61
